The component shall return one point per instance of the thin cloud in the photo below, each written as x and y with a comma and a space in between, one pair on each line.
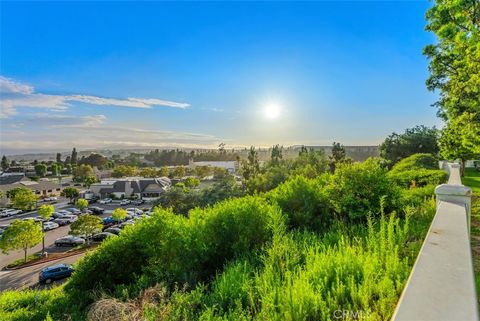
16, 94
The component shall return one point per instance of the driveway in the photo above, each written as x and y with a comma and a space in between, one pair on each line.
28, 276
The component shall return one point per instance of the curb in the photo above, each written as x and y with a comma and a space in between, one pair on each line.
42, 261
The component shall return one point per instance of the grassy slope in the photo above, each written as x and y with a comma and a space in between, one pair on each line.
472, 179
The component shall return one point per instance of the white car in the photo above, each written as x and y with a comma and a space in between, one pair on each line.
125, 202
70, 218
50, 199
10, 212
47, 226
136, 211
64, 212
105, 201
74, 210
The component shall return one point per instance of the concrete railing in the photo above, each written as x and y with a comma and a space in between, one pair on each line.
441, 285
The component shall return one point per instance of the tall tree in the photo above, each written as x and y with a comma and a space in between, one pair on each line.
73, 158
416, 140
277, 154
45, 211
71, 193
89, 180
81, 204
23, 199
86, 225
21, 234
251, 167
339, 155
455, 57
56, 169
59, 158
82, 172
452, 146
4, 163
41, 170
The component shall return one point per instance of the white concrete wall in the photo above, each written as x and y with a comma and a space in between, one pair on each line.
441, 286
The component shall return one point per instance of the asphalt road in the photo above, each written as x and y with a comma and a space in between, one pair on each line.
28, 277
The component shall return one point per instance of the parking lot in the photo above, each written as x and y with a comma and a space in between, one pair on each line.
52, 235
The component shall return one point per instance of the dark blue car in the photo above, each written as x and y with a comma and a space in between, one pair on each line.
55, 272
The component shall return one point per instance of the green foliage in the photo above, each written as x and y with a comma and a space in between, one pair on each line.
415, 161
45, 211
460, 138
4, 163
86, 225
89, 180
70, 193
56, 169
82, 172
124, 171
356, 190
276, 154
119, 214
95, 160
170, 248
41, 170
202, 171
268, 179
21, 234
81, 204
419, 139
179, 172
251, 166
454, 58
163, 172
191, 182
149, 172
417, 170
22, 198
304, 203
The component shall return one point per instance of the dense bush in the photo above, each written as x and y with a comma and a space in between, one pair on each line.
417, 170
356, 190
427, 161
169, 248
304, 203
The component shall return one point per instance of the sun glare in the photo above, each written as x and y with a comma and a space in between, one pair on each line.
272, 111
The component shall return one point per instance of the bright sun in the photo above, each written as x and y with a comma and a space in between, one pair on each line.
272, 111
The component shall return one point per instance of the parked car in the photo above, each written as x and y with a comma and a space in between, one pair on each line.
96, 210
50, 199
10, 212
37, 219
47, 226
124, 202
74, 210
54, 272
113, 230
100, 237
92, 200
138, 202
65, 212
134, 211
105, 201
58, 215
69, 240
70, 218
61, 221
125, 224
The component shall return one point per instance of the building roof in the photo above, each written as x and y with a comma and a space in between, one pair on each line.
12, 178
138, 186
34, 186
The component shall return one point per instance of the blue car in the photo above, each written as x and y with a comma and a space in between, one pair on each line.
54, 272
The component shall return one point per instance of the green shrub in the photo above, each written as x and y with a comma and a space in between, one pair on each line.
172, 249
304, 203
427, 161
356, 190
418, 170
419, 177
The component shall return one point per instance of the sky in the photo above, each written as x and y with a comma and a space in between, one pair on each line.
97, 75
